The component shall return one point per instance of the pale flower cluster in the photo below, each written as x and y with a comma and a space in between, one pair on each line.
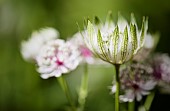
53, 56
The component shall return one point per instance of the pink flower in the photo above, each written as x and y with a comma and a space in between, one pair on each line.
161, 67
86, 54
56, 58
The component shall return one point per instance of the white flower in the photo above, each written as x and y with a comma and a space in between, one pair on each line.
57, 57
113, 89
31, 48
115, 44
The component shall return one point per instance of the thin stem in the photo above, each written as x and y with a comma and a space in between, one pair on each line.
83, 88
131, 106
117, 66
141, 108
149, 101
66, 90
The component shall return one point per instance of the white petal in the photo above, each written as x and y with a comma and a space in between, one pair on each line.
56, 73
138, 96
113, 89
148, 85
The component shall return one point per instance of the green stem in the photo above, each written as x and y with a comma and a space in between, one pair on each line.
66, 90
131, 106
83, 88
117, 66
149, 101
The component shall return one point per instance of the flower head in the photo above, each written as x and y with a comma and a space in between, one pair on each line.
57, 57
136, 80
115, 44
31, 48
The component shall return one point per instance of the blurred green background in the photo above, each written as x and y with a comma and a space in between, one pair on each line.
21, 88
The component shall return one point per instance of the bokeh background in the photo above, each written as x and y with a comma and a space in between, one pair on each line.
21, 88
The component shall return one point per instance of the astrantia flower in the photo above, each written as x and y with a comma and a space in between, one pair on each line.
161, 66
150, 43
57, 57
136, 80
31, 48
118, 43
161, 71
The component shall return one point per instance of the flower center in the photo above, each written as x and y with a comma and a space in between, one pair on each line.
157, 73
135, 86
58, 62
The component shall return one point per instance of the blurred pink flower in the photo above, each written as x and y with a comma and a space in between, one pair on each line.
136, 81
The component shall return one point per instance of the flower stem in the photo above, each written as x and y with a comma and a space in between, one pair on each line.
66, 90
117, 66
83, 88
131, 106
149, 100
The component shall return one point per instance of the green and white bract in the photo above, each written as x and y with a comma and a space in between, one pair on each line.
118, 43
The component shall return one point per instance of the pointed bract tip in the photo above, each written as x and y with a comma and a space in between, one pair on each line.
96, 20
133, 19
109, 17
78, 26
85, 22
